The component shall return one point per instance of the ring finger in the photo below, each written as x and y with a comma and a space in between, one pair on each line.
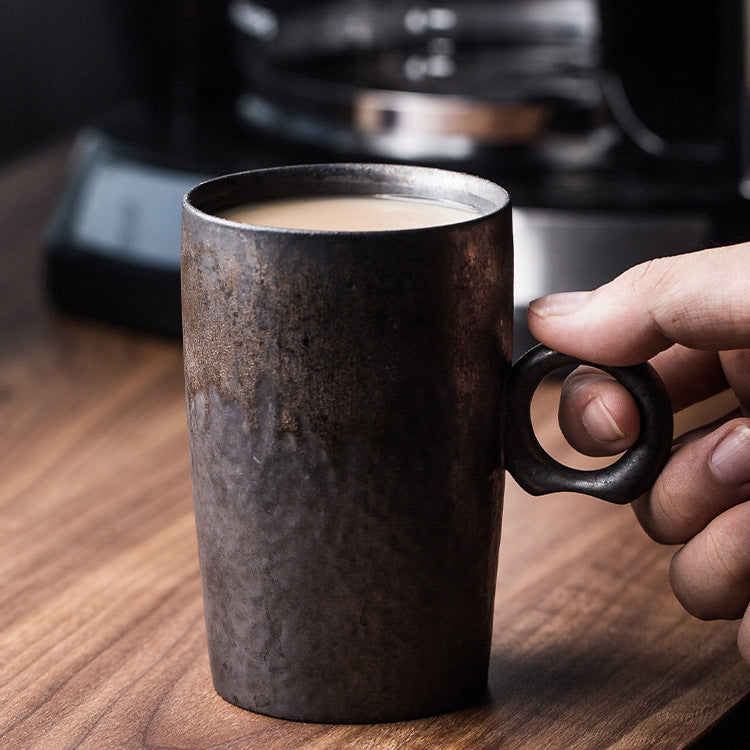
703, 478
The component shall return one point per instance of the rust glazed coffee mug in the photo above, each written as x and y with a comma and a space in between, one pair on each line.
351, 408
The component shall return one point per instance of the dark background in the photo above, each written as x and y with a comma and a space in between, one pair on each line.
62, 63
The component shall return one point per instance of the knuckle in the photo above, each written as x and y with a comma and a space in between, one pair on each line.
651, 525
743, 636
653, 284
720, 555
672, 521
651, 277
688, 590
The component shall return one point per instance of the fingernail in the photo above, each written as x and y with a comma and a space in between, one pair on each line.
599, 422
563, 303
730, 460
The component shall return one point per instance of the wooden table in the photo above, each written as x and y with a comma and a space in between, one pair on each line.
101, 624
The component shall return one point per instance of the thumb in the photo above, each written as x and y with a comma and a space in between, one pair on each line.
700, 300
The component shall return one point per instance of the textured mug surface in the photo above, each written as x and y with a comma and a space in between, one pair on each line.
344, 394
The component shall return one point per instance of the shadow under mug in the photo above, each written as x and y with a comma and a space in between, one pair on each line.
351, 408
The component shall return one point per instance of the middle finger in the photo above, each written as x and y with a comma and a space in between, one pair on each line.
599, 417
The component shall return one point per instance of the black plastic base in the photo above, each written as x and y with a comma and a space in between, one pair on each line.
107, 289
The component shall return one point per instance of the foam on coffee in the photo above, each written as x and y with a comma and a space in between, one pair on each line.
351, 213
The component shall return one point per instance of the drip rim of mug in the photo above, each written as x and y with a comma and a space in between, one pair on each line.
502, 197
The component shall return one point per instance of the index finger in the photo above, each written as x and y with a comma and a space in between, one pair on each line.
700, 300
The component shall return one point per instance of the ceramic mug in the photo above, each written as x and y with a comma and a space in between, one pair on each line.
351, 408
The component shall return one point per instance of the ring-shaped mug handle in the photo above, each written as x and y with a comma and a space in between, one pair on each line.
633, 474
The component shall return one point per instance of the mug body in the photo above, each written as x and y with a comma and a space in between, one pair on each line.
345, 402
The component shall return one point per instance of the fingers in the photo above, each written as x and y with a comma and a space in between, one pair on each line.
597, 415
701, 480
699, 300
710, 575
599, 418
703, 499
675, 312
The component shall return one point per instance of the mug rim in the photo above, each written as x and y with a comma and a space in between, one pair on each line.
494, 197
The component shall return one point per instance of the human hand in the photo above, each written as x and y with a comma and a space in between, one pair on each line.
690, 316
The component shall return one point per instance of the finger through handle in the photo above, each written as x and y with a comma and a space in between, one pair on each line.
630, 476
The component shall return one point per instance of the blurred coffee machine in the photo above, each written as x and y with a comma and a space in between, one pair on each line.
619, 128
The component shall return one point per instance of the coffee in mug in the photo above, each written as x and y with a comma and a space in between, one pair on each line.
348, 213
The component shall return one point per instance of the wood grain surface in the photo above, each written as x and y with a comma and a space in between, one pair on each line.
101, 625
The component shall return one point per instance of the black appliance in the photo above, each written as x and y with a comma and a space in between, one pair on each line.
619, 128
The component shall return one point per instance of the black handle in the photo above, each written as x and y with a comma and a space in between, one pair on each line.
626, 479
